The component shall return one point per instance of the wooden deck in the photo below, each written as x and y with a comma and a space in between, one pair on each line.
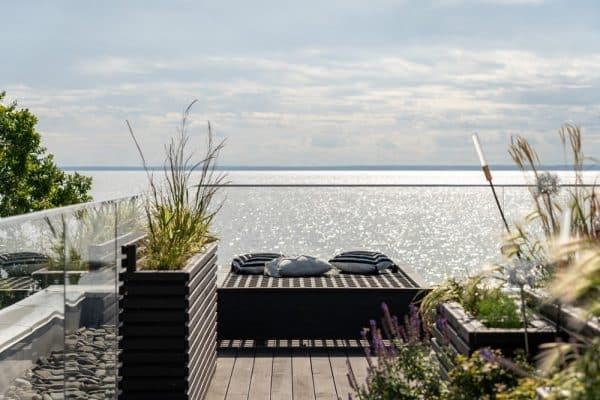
285, 373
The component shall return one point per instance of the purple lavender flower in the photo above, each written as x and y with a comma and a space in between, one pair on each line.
388, 322
379, 347
487, 354
373, 325
441, 323
412, 309
385, 309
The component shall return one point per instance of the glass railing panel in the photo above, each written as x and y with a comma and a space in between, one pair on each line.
91, 303
438, 231
31, 307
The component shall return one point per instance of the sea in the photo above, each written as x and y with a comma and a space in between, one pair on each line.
437, 223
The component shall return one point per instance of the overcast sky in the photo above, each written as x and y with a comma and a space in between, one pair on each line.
305, 82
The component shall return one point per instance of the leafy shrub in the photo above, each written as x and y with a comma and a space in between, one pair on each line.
485, 302
578, 374
525, 390
6, 296
31, 181
467, 292
476, 377
406, 368
498, 311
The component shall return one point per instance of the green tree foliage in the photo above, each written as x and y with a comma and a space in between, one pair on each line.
30, 180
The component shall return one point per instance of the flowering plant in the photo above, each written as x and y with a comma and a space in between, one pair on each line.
401, 364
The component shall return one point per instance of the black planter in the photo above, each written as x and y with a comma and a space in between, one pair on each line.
464, 334
45, 277
168, 330
570, 321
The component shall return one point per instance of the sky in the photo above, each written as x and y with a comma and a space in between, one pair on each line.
305, 83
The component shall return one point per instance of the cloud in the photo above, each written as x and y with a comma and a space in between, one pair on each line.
306, 109
456, 3
395, 83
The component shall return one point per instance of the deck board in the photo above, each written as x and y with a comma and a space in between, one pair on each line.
302, 377
281, 380
220, 382
359, 366
260, 384
322, 375
338, 360
250, 372
239, 385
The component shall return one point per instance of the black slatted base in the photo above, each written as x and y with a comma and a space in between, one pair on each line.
168, 331
330, 307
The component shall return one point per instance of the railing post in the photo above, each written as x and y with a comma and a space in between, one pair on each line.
129, 257
128, 266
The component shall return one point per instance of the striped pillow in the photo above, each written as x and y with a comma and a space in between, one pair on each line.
253, 263
363, 262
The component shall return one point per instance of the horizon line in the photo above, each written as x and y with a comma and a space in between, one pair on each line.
500, 167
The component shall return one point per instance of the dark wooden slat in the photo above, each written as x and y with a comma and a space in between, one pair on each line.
387, 280
339, 368
322, 375
199, 383
248, 313
281, 379
302, 380
260, 384
190, 350
239, 386
220, 382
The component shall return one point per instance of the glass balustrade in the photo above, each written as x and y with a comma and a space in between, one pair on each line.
59, 269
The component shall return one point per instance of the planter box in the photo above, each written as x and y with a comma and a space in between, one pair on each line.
465, 334
569, 320
168, 330
45, 277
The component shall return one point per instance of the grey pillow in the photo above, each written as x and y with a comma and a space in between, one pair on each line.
363, 262
297, 266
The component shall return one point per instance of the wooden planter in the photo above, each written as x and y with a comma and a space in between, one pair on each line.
465, 334
45, 277
570, 321
168, 329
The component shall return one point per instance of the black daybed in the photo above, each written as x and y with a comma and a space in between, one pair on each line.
325, 307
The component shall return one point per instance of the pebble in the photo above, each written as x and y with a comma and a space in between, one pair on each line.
85, 377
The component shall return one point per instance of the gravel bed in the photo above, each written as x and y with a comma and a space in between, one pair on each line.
85, 370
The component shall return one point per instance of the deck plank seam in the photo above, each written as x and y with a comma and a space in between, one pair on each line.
272, 370
292, 370
253, 354
312, 374
231, 373
337, 395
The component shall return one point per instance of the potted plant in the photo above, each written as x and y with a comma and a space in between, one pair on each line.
566, 369
559, 213
465, 316
168, 316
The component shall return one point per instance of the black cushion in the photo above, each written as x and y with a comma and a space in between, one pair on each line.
363, 262
22, 263
253, 263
